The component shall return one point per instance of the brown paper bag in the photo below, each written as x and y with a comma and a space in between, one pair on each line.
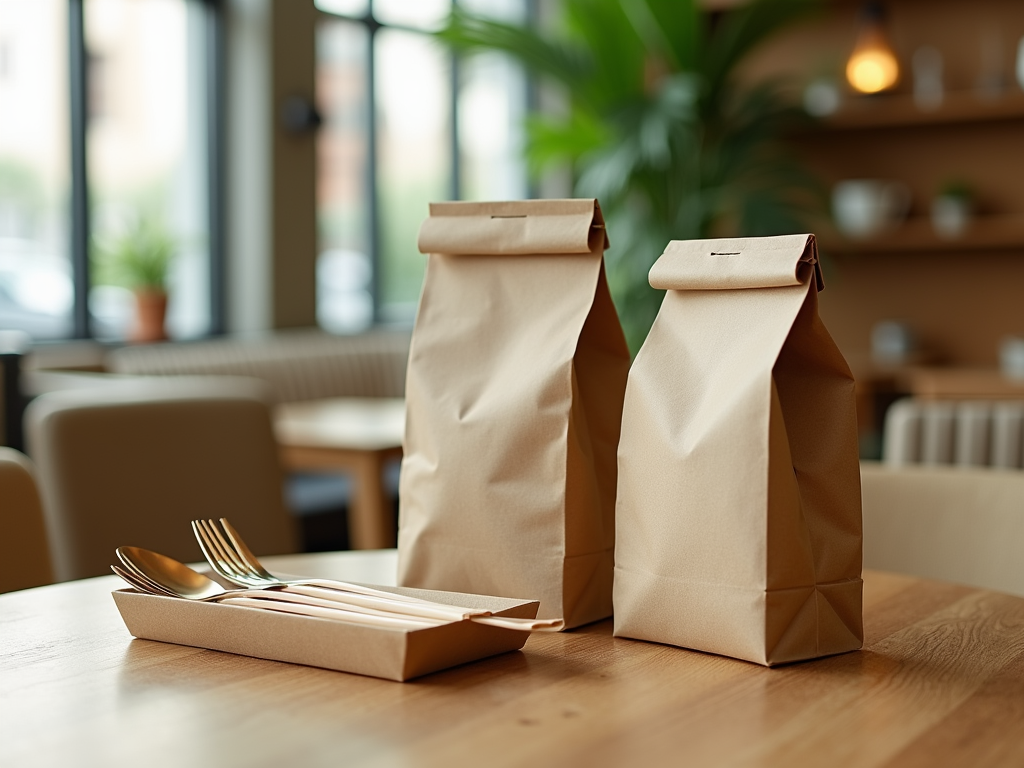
738, 515
514, 397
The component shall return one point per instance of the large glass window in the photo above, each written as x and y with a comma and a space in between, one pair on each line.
103, 112
146, 153
36, 293
344, 269
414, 160
404, 125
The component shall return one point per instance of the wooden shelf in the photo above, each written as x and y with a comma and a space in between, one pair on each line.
901, 110
916, 235
951, 383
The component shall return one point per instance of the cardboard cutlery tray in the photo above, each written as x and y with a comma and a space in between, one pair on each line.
393, 654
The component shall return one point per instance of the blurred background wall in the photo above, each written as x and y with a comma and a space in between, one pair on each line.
279, 156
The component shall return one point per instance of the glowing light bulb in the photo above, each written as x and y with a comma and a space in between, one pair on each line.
872, 71
872, 66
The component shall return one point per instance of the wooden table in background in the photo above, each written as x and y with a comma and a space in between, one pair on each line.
354, 436
878, 387
940, 682
961, 384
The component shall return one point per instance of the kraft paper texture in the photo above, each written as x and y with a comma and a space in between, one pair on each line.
516, 376
738, 512
393, 654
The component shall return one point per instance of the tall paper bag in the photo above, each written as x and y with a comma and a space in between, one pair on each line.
738, 513
516, 376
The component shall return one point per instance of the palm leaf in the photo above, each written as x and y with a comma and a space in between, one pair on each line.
602, 28
658, 126
744, 29
466, 33
683, 27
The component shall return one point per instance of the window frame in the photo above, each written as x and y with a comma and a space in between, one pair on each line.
372, 25
81, 210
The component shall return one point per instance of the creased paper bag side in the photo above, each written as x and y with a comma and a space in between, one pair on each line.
485, 499
735, 469
600, 368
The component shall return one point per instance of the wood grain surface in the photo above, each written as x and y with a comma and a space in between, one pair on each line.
940, 682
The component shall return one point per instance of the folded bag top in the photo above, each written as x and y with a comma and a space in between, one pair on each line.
517, 228
707, 265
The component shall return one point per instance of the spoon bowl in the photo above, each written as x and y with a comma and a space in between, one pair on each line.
168, 574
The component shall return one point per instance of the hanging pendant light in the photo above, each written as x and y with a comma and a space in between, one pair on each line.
872, 66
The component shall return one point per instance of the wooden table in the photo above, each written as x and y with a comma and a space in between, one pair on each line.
940, 682
961, 384
354, 436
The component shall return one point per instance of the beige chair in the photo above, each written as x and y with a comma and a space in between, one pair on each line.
24, 554
966, 433
960, 525
133, 463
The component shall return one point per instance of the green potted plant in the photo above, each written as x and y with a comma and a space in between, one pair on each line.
139, 259
952, 209
659, 127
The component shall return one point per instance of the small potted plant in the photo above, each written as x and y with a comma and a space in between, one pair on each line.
952, 209
139, 259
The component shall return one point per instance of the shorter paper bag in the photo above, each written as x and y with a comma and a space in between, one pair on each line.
514, 391
738, 518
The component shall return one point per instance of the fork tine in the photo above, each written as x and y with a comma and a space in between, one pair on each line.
221, 562
243, 551
264, 577
229, 560
208, 552
241, 568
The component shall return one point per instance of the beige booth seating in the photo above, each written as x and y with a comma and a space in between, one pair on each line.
24, 554
964, 525
296, 365
133, 462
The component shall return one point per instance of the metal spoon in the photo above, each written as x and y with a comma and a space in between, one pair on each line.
182, 581
169, 575
281, 603
158, 574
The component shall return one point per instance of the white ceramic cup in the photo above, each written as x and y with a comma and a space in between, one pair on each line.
867, 207
1011, 357
892, 342
950, 216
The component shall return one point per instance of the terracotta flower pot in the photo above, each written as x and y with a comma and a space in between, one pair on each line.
150, 312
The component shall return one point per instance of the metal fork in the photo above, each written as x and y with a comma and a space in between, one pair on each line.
305, 604
229, 556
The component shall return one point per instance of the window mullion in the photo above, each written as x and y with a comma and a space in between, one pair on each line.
532, 89
371, 169
78, 61
456, 185
215, 126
